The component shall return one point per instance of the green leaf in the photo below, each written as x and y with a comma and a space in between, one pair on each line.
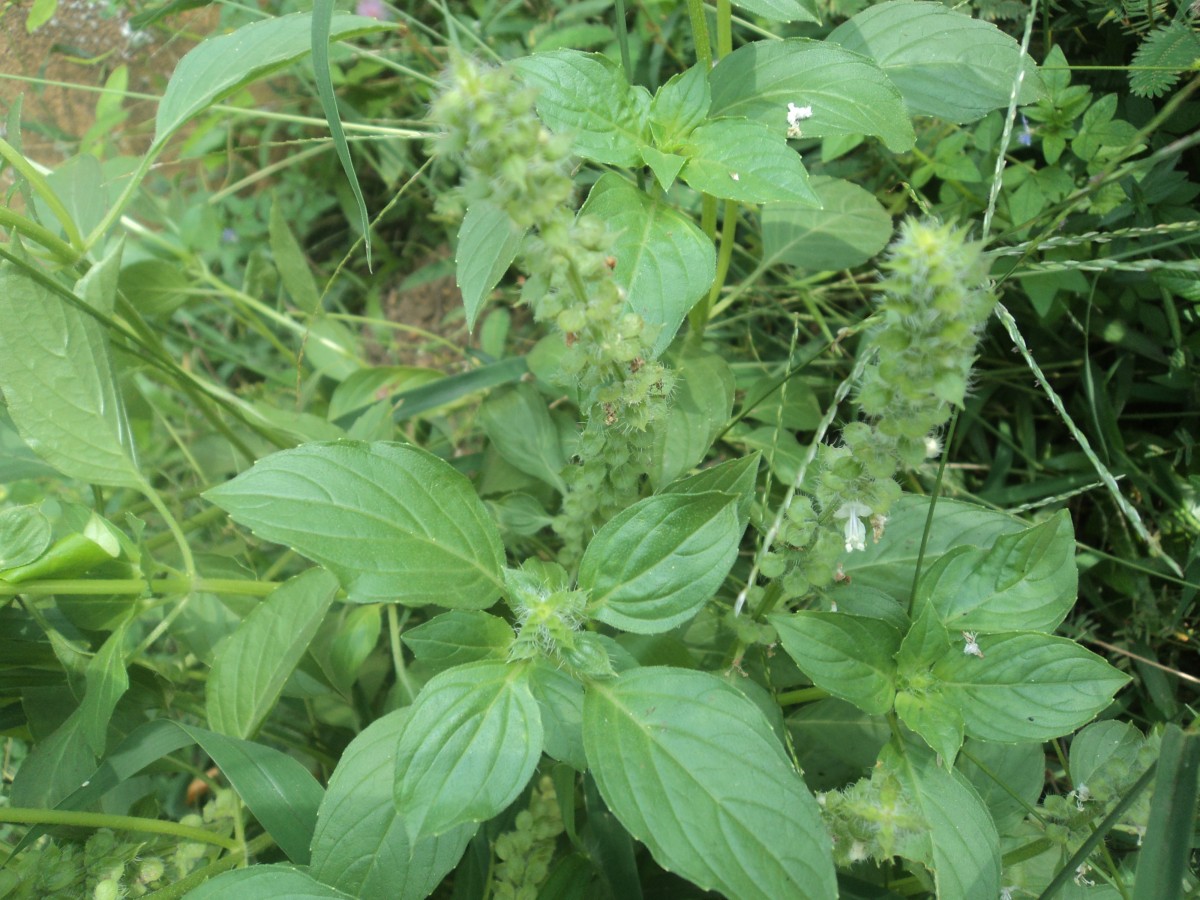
664, 262
253, 664
278, 881
24, 535
58, 384
394, 524
155, 287
700, 407
835, 742
366, 387
1027, 686
1009, 778
290, 260
920, 703
780, 10
560, 700
654, 565
1162, 865
849, 656
735, 476
221, 65
40, 12
586, 95
98, 288
459, 636
945, 64
468, 749
488, 241
680, 105
889, 565
519, 426
322, 24
665, 166
849, 229
960, 845
356, 636
692, 769
360, 845
1024, 582
107, 681
849, 94
744, 160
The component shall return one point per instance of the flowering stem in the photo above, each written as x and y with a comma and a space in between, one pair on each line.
700, 33
933, 498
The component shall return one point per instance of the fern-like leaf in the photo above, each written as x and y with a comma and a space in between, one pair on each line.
1165, 53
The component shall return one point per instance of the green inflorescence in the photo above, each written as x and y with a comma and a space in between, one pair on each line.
525, 853
508, 158
934, 301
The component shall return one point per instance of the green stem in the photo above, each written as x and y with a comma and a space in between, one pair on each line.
103, 587
724, 29
42, 187
64, 251
700, 38
19, 816
623, 41
700, 314
395, 626
801, 695
912, 597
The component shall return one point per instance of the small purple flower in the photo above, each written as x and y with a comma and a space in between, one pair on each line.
1025, 138
372, 9
229, 236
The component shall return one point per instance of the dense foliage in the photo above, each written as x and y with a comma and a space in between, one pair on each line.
553, 450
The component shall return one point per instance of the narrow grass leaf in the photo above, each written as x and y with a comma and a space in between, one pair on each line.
692, 769
1163, 862
253, 664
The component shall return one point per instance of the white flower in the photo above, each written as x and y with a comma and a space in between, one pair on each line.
796, 115
856, 532
972, 647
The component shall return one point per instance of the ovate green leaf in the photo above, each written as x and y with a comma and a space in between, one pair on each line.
1024, 582
741, 159
1027, 687
272, 882
692, 769
488, 241
700, 407
849, 229
520, 428
361, 846
652, 566
459, 636
664, 262
292, 264
960, 845
586, 95
58, 383
849, 656
392, 522
24, 535
680, 105
946, 64
849, 94
253, 664
468, 749
220, 65
780, 10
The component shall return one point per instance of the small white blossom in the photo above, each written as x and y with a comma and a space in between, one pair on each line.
856, 532
735, 176
972, 647
796, 115
933, 446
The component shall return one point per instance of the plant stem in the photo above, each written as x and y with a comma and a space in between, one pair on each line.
20, 816
103, 587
